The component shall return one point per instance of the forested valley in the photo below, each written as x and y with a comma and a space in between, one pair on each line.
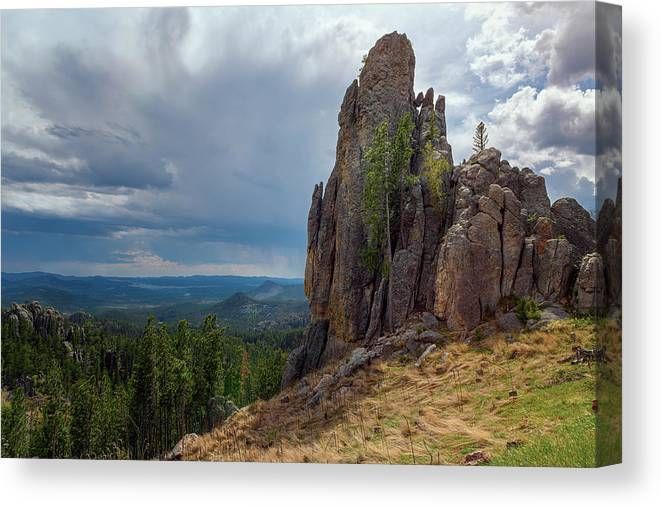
103, 391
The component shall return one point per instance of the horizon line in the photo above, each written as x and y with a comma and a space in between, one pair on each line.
152, 276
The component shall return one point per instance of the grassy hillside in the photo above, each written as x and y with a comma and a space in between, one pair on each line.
511, 399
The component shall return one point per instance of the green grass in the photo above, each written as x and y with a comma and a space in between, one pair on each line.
561, 426
568, 445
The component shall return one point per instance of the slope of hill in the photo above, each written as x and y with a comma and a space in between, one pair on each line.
498, 401
271, 291
242, 312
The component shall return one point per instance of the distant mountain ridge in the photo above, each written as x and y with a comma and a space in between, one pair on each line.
169, 297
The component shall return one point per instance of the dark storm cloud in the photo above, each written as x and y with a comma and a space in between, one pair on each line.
49, 78
609, 101
232, 121
95, 165
19, 222
550, 118
222, 156
196, 135
608, 110
573, 50
609, 46
26, 169
560, 123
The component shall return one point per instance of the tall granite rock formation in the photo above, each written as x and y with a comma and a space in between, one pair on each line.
494, 234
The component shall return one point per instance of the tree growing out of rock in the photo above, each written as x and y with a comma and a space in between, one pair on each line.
386, 175
480, 137
434, 167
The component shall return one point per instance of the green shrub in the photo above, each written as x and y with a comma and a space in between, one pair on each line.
527, 309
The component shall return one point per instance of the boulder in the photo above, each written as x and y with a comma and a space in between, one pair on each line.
488, 233
523, 281
533, 194
220, 409
429, 320
431, 348
179, 450
548, 315
573, 222
359, 358
553, 312
428, 336
308, 356
509, 322
609, 245
321, 390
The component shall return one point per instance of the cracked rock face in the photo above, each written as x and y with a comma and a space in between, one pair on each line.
340, 289
590, 284
487, 256
573, 222
609, 245
493, 234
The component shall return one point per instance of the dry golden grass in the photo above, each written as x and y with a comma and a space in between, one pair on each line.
459, 401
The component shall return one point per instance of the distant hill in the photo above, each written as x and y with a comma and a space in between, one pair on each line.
271, 291
170, 298
243, 312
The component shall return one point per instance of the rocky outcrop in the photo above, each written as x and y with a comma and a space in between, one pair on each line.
491, 236
33, 322
32, 319
609, 245
178, 451
306, 357
590, 285
340, 289
573, 222
220, 409
348, 300
497, 247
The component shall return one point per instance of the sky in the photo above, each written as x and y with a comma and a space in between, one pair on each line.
184, 141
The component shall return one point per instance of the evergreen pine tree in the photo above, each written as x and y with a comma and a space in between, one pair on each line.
386, 174
480, 137
15, 427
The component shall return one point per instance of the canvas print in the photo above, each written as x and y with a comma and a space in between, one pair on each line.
319, 234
